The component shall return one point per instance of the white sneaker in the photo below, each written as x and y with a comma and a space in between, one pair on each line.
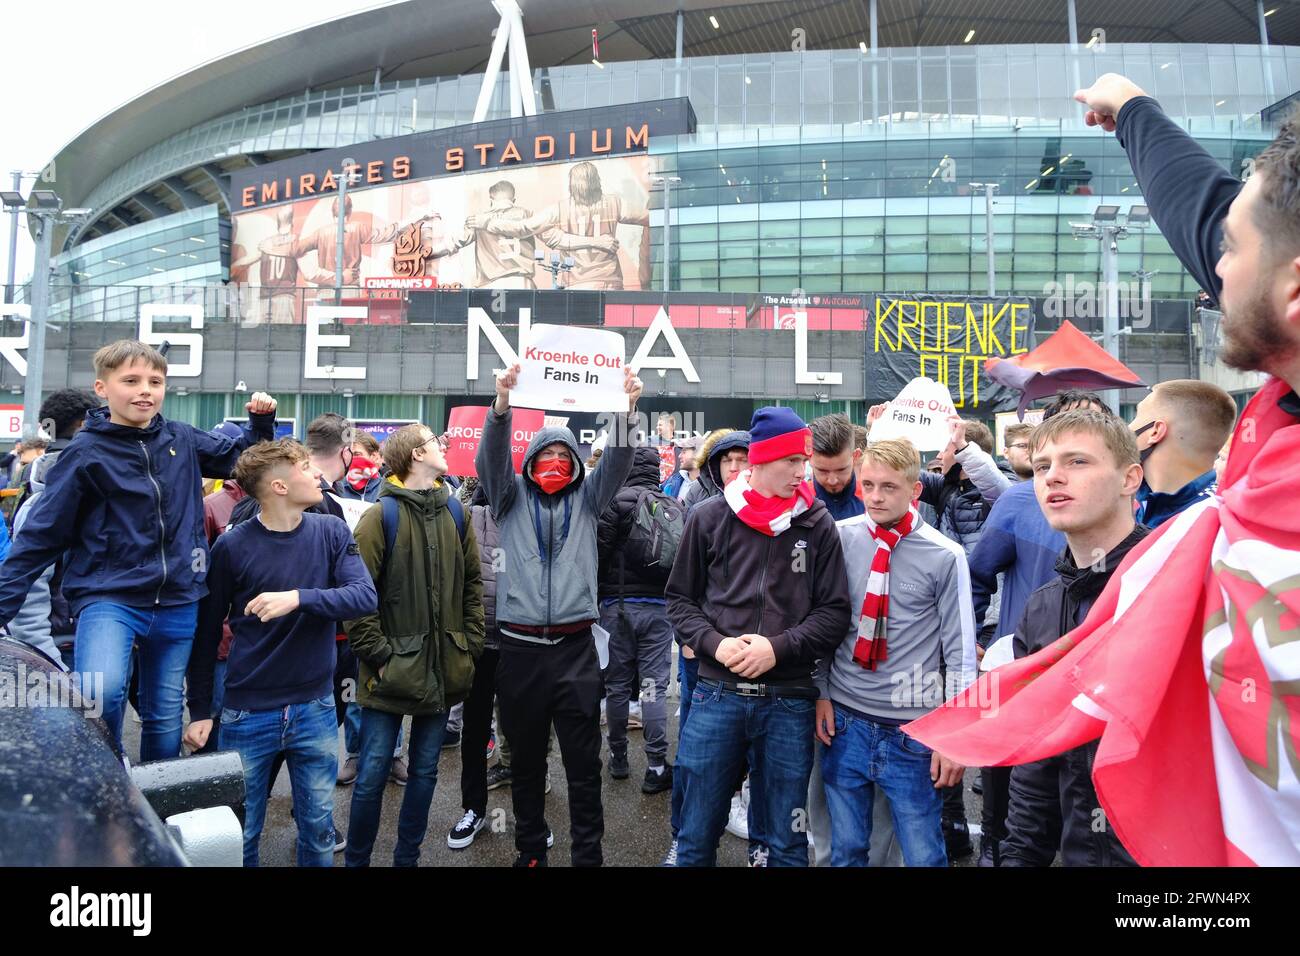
738, 818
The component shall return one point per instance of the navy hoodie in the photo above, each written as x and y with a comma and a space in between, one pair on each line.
126, 504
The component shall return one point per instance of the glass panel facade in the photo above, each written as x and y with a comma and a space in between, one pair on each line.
855, 166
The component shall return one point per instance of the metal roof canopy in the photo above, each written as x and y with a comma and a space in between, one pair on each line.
421, 38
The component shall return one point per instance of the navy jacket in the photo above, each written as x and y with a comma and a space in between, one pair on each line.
1154, 508
126, 504
845, 503
1018, 541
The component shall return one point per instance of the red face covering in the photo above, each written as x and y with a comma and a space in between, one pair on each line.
360, 473
551, 476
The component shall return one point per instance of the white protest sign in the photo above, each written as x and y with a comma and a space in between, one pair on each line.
919, 414
353, 509
571, 368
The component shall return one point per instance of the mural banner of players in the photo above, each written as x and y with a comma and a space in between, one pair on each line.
479, 230
948, 340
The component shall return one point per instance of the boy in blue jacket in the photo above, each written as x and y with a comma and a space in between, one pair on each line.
125, 501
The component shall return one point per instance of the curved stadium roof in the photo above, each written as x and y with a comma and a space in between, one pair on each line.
424, 38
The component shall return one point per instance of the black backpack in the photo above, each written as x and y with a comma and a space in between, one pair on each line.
658, 521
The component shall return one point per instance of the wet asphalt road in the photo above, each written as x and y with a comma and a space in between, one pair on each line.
636, 825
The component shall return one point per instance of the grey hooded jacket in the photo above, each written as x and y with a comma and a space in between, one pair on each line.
31, 624
548, 542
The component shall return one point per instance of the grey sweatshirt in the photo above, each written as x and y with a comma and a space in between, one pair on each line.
931, 619
548, 541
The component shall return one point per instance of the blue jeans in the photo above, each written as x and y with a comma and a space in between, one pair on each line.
378, 732
106, 632
863, 755
688, 672
307, 734
777, 734
352, 731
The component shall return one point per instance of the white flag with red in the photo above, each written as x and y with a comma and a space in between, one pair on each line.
595, 45
1187, 668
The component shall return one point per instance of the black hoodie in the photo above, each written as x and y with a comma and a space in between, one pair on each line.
730, 580
619, 577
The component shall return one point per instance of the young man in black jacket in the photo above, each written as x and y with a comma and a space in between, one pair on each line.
1086, 473
760, 593
630, 587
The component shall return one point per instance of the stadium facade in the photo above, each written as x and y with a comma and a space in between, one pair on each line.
821, 157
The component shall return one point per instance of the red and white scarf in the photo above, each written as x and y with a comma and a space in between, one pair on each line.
770, 516
870, 649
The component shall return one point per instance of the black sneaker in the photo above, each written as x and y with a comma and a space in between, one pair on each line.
498, 776
464, 832
658, 782
338, 836
529, 861
956, 839
451, 739
618, 768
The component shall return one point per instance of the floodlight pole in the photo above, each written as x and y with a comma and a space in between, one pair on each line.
39, 318
13, 241
1110, 236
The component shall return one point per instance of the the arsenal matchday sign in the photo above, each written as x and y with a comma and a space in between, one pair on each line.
570, 368
465, 429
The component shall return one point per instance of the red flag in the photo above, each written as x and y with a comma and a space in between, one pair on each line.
1065, 359
595, 47
1183, 670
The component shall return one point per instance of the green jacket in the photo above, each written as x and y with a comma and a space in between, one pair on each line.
429, 629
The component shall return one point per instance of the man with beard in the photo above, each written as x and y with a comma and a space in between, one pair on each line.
1181, 618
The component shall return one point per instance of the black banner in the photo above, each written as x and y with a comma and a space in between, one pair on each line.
948, 339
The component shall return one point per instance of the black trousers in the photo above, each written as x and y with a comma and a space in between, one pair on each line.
475, 733
540, 685
996, 782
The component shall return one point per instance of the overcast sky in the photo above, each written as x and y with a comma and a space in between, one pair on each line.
102, 55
